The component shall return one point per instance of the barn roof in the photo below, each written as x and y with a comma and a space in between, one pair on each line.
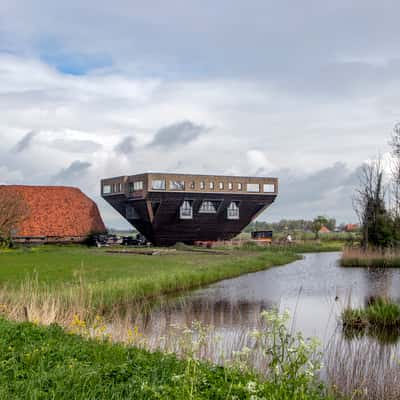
57, 211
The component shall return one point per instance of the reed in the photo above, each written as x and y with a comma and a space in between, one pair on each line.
363, 369
380, 314
382, 258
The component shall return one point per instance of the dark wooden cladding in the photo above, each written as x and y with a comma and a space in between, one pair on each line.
156, 213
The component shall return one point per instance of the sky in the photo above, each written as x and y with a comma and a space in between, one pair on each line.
304, 91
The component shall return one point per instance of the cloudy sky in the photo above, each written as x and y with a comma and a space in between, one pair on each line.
303, 91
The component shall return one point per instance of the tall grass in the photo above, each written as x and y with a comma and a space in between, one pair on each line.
363, 369
90, 291
40, 362
380, 313
357, 257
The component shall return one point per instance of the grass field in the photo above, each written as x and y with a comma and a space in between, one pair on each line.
89, 280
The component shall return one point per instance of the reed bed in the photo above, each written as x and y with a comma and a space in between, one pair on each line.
357, 257
363, 369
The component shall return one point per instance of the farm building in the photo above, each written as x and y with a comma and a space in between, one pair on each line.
53, 214
171, 208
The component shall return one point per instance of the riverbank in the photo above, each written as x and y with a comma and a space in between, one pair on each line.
45, 362
51, 284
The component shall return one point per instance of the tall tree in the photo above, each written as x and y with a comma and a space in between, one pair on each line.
369, 205
317, 224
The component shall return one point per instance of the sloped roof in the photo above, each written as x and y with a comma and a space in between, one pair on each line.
57, 211
324, 229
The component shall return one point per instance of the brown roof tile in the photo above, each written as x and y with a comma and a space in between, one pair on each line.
57, 211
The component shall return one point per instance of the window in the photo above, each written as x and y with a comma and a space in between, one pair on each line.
253, 187
269, 188
192, 185
186, 210
158, 184
131, 213
138, 185
177, 185
130, 187
230, 186
233, 211
119, 187
106, 189
240, 186
208, 207
221, 185
202, 185
211, 185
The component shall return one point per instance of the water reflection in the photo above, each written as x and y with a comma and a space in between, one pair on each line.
314, 290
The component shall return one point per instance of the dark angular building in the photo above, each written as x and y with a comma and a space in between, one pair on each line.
171, 208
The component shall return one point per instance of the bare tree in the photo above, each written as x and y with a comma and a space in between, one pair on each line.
395, 184
369, 202
13, 210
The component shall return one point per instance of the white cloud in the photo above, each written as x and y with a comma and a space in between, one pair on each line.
254, 128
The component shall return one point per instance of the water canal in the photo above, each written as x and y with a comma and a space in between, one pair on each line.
314, 290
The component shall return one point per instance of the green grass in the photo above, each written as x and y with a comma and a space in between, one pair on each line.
382, 314
46, 363
100, 280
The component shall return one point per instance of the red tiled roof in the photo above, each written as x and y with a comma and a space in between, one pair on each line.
57, 211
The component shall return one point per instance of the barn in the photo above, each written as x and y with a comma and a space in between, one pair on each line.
54, 214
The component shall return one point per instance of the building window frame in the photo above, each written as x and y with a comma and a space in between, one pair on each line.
253, 187
176, 185
232, 211
269, 188
208, 207
158, 184
138, 185
107, 188
211, 185
186, 210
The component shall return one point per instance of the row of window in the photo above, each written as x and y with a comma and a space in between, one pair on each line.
113, 188
186, 209
159, 184
180, 185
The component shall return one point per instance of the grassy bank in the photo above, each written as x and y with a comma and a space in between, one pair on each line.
380, 314
356, 257
46, 363
66, 280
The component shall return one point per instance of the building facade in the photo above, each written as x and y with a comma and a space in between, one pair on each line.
170, 208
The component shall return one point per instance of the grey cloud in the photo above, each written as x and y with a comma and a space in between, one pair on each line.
72, 173
125, 146
328, 191
76, 146
180, 133
25, 142
274, 41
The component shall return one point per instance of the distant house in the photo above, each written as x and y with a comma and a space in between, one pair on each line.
351, 227
55, 214
324, 229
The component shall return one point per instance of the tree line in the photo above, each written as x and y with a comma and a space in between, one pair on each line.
377, 199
